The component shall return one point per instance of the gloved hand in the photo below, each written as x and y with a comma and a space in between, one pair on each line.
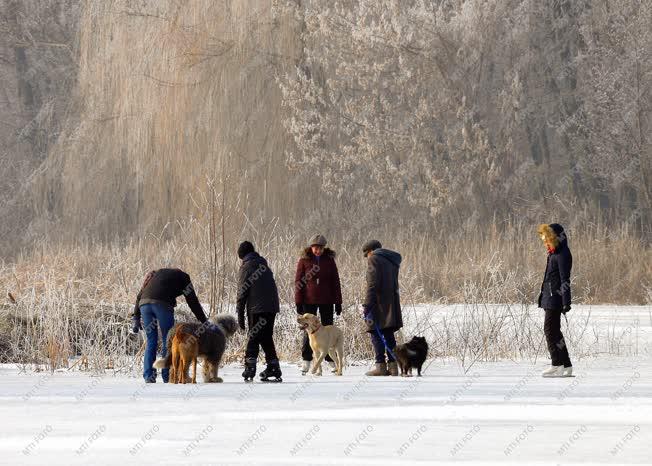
565, 309
241, 321
338, 309
136, 325
300, 309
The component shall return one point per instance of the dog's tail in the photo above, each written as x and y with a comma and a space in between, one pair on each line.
166, 361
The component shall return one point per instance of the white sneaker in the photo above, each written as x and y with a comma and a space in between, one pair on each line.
567, 372
553, 371
305, 367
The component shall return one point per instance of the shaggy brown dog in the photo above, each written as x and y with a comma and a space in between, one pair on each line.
324, 339
185, 349
211, 339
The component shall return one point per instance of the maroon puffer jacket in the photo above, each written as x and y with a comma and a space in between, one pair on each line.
317, 280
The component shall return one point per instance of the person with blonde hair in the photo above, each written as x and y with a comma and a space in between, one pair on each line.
555, 297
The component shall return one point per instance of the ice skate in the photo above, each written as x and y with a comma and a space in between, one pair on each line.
250, 370
272, 373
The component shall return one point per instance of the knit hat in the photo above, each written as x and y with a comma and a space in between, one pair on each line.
245, 248
318, 240
371, 245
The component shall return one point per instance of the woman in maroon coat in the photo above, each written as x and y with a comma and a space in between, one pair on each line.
317, 288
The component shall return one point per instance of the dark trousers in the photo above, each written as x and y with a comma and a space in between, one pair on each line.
555, 339
326, 316
156, 316
261, 332
379, 346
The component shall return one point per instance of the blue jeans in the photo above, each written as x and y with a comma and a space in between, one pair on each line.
379, 347
164, 316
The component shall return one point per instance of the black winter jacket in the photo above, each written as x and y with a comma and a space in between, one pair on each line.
556, 287
164, 286
382, 305
257, 291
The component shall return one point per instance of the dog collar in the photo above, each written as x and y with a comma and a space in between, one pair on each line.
318, 327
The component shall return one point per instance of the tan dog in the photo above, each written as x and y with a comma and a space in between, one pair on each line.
324, 339
185, 349
211, 340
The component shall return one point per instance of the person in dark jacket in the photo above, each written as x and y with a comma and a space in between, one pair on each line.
382, 305
258, 299
155, 304
317, 288
555, 297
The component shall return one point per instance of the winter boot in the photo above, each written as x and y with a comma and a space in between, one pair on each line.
380, 369
272, 372
250, 370
553, 371
305, 367
393, 368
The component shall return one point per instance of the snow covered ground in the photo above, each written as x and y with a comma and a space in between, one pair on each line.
495, 413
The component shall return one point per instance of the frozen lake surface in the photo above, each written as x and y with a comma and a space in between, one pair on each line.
495, 413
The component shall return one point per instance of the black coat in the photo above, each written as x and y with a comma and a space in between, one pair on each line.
257, 291
556, 287
382, 305
164, 286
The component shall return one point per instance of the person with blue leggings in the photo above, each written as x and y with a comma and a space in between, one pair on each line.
155, 305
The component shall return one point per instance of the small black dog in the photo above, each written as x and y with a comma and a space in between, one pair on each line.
412, 354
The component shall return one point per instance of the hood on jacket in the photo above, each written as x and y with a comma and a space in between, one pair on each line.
394, 257
254, 256
553, 233
307, 253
